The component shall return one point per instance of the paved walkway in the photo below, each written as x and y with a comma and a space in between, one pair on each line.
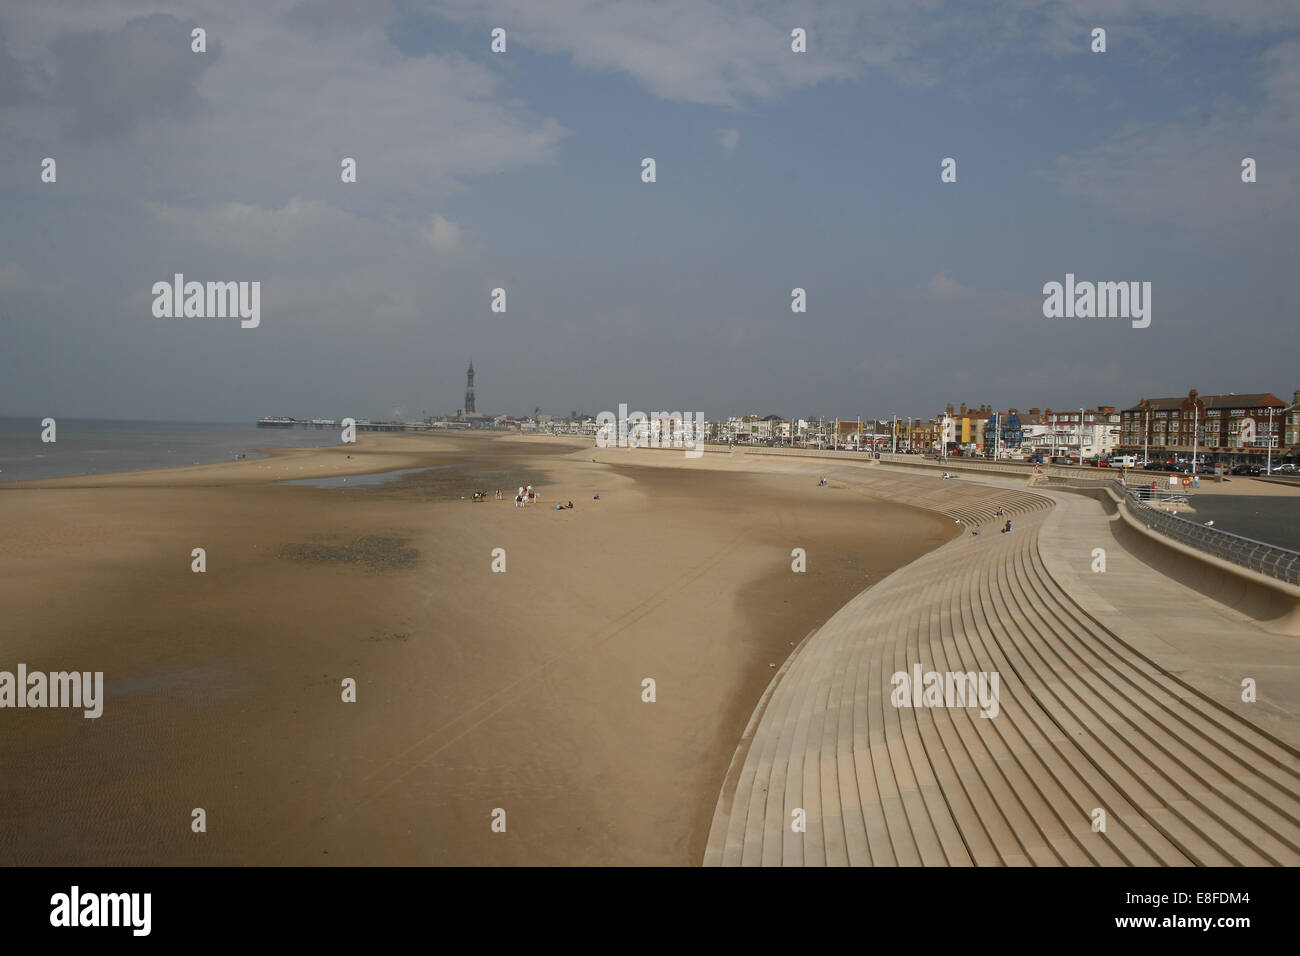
1119, 695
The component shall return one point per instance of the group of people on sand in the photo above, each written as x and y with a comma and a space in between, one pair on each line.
499, 495
526, 496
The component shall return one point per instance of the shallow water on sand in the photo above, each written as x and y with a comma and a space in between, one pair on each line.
352, 481
85, 446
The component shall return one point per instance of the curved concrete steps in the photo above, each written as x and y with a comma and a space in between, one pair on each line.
1084, 723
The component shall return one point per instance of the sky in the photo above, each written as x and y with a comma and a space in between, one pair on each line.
522, 170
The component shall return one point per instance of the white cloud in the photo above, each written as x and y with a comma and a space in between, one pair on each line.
732, 52
288, 90
943, 287
300, 230
729, 138
443, 234
943, 295
720, 52
256, 228
1188, 171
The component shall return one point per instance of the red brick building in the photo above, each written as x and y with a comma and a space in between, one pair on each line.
1227, 429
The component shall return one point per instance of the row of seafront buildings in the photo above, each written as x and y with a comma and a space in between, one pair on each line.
1227, 429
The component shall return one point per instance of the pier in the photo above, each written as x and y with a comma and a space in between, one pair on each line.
362, 424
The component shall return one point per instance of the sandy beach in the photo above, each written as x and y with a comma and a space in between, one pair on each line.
476, 690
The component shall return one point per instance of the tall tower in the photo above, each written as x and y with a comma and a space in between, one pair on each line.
469, 389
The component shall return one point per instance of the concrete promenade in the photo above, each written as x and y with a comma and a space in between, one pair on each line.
1120, 697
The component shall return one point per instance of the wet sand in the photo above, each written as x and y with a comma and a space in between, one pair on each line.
475, 690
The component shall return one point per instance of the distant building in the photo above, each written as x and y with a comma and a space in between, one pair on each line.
1003, 428
1089, 432
469, 415
1224, 429
1292, 437
963, 429
1033, 429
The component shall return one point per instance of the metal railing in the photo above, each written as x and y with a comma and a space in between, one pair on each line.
1162, 496
1058, 480
1276, 562
964, 463
1159, 495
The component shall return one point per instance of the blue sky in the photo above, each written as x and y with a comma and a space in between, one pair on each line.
775, 170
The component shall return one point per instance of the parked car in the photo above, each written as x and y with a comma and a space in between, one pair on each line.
1245, 470
1287, 469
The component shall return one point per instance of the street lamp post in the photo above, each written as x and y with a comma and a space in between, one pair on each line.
1196, 423
1269, 469
1146, 451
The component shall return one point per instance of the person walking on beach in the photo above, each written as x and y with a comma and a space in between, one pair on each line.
1008, 527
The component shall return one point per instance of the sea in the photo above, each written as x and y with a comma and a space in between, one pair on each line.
87, 446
